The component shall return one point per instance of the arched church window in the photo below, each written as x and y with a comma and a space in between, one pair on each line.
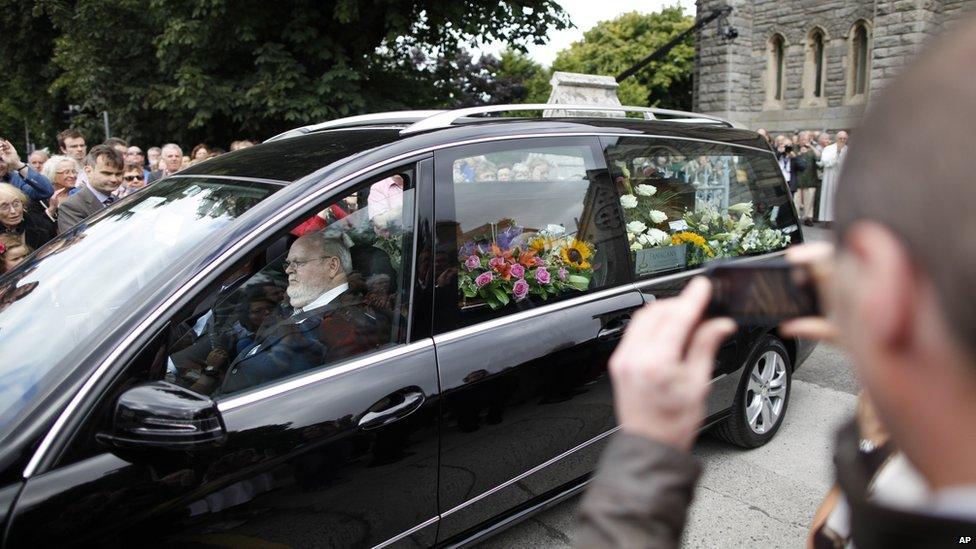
777, 67
817, 45
860, 58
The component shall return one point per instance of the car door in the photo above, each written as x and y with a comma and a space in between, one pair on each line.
533, 293
342, 452
690, 190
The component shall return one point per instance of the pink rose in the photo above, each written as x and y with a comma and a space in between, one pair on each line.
562, 273
472, 262
518, 271
520, 289
496, 263
483, 279
542, 275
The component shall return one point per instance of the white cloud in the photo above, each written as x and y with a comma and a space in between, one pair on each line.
584, 14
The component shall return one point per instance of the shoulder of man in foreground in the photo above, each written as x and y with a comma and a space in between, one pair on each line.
641, 501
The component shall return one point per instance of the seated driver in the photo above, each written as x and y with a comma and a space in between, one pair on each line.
329, 321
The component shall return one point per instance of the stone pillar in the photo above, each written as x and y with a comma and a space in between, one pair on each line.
570, 88
722, 78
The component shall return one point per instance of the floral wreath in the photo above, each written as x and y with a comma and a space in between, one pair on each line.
511, 264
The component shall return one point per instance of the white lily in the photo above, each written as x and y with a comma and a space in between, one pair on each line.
741, 208
744, 223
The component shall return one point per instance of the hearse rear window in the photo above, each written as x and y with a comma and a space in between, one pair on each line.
685, 203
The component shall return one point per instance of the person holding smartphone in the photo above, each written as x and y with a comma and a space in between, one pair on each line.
899, 297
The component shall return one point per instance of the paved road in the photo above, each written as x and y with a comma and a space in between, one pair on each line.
747, 498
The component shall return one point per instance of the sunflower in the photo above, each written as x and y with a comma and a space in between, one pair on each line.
538, 244
576, 254
694, 239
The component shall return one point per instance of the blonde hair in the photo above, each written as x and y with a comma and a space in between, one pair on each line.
18, 194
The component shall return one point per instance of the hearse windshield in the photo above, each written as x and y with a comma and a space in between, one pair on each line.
71, 290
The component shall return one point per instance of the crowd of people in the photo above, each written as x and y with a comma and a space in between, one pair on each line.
49, 193
811, 162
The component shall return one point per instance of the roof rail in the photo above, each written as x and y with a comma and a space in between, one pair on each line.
447, 118
392, 117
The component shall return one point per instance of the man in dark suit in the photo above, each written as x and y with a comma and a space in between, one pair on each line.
330, 321
103, 165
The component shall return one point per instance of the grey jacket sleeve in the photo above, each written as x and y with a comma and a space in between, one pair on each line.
639, 496
69, 214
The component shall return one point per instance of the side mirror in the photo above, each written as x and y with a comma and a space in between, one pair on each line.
164, 416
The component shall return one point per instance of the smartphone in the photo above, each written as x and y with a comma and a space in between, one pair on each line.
762, 293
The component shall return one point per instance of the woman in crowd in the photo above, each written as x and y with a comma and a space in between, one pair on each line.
200, 153
63, 173
12, 251
23, 219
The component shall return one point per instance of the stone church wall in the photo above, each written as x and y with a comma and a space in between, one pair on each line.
731, 80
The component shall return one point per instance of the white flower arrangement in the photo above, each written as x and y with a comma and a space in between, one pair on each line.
645, 190
628, 201
657, 216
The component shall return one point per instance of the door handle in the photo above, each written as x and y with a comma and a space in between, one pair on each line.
614, 329
393, 407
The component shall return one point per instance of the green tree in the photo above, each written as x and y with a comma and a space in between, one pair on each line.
461, 81
26, 51
217, 70
611, 47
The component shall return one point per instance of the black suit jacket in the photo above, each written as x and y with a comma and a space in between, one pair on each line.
77, 207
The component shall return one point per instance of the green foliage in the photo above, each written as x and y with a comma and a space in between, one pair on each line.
613, 46
218, 70
25, 62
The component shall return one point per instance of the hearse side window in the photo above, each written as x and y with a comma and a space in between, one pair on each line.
686, 203
336, 290
536, 220
333, 287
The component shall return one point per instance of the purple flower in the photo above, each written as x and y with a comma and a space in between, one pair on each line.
518, 271
520, 289
562, 273
483, 279
504, 239
542, 275
472, 262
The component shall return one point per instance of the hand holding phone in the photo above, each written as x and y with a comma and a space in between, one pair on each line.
763, 293
818, 258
